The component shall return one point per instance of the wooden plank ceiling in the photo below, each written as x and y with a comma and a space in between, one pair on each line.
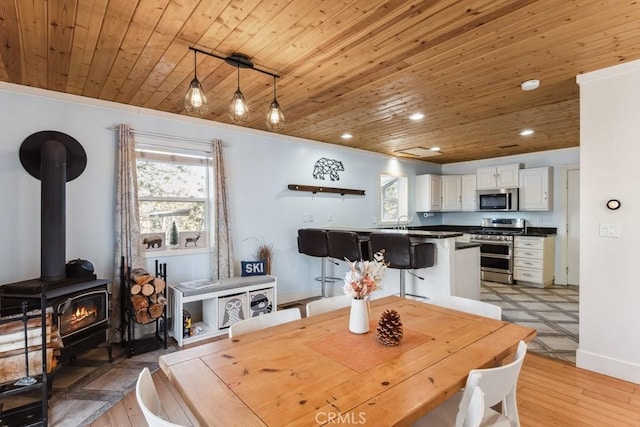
356, 66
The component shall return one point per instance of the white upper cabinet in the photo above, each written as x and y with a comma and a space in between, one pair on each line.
505, 176
468, 184
451, 192
428, 193
536, 186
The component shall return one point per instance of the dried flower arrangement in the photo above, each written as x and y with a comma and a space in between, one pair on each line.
265, 252
364, 276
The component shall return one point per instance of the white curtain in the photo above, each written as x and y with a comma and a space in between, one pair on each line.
222, 253
127, 222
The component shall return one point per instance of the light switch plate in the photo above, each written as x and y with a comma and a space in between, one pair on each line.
608, 229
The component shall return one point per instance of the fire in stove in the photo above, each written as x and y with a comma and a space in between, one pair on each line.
82, 313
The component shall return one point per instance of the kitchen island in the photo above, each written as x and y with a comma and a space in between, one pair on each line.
444, 278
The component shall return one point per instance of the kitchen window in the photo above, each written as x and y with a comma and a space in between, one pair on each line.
393, 197
174, 186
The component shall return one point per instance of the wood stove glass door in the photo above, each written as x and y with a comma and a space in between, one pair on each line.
82, 312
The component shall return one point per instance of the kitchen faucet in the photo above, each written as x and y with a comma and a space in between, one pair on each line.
398, 227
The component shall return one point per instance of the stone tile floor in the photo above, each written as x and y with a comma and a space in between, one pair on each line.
552, 311
86, 388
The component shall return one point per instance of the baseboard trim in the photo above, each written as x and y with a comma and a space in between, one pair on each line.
610, 366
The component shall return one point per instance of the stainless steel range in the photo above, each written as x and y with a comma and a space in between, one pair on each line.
496, 247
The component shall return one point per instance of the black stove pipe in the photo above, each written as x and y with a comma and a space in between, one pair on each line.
53, 177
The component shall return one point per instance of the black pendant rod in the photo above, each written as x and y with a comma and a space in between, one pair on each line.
237, 60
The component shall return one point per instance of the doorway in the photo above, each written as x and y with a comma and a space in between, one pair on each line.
573, 226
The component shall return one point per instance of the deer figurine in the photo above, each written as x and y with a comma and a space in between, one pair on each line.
193, 240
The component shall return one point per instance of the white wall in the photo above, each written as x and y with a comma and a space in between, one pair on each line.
260, 165
557, 217
610, 154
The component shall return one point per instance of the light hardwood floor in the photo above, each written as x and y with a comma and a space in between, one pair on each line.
550, 393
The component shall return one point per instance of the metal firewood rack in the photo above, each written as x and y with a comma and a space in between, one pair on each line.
150, 342
34, 413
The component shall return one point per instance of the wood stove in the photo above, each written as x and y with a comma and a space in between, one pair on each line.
55, 158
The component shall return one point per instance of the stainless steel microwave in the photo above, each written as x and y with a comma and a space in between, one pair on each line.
504, 200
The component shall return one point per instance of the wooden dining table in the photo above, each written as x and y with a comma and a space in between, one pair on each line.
314, 371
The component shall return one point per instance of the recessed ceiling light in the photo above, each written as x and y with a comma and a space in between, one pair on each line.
530, 84
526, 132
416, 116
434, 148
346, 136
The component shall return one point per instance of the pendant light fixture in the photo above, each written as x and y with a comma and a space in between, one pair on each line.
275, 116
195, 101
238, 109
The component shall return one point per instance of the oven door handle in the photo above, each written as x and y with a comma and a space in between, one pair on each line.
492, 242
485, 255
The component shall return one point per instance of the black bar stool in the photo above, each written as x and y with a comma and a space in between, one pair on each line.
347, 245
402, 253
313, 242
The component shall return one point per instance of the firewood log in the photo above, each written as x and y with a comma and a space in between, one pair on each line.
153, 299
18, 324
155, 310
139, 302
159, 284
161, 300
135, 289
142, 316
15, 340
148, 289
141, 280
13, 367
137, 272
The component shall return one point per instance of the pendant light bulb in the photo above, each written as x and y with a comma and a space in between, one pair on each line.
195, 101
275, 116
238, 109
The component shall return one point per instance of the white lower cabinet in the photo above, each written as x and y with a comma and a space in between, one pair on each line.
201, 312
533, 262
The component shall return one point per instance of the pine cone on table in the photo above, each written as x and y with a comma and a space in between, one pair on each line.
389, 328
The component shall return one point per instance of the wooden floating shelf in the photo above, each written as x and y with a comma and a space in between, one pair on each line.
317, 189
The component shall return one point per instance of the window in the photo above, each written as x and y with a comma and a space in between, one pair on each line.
393, 197
174, 187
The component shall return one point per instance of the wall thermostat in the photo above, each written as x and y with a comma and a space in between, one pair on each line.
613, 204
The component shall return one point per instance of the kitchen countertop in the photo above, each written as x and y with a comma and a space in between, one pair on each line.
470, 229
465, 245
541, 231
412, 233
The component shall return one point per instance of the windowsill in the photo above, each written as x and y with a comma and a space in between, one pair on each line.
175, 252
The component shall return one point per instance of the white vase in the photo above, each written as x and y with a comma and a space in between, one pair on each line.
359, 316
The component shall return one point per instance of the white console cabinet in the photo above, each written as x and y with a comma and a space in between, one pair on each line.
214, 308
